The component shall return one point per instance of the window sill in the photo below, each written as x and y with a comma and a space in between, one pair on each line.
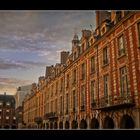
91, 73
121, 56
104, 65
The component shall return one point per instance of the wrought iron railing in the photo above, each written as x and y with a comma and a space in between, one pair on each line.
112, 101
38, 119
51, 115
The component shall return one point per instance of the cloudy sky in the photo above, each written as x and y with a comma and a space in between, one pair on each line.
31, 40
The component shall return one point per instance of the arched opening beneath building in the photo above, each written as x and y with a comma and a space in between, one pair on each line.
61, 125
108, 123
67, 125
74, 124
94, 123
6, 127
83, 124
127, 122
51, 125
43, 126
55, 125
47, 126
13, 127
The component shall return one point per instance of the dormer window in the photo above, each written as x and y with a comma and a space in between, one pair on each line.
82, 47
103, 30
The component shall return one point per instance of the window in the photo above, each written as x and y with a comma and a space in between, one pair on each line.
74, 55
61, 105
92, 64
123, 81
82, 47
82, 97
61, 87
106, 85
7, 117
52, 91
56, 87
67, 103
105, 56
20, 113
7, 110
74, 101
56, 105
51, 106
93, 92
83, 71
67, 85
1, 103
14, 118
121, 47
74, 76
138, 25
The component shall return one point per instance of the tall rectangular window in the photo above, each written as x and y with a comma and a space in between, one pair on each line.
105, 56
52, 91
82, 100
56, 88
106, 85
56, 105
121, 45
138, 25
51, 106
93, 92
74, 76
92, 64
83, 47
67, 84
74, 101
61, 105
83, 71
61, 86
67, 103
74, 55
123, 81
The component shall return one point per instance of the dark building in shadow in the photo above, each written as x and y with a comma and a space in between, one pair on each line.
7, 112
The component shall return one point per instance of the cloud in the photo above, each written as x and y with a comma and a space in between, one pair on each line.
10, 84
11, 64
8, 64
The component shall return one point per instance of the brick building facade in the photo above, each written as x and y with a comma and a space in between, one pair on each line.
7, 112
99, 84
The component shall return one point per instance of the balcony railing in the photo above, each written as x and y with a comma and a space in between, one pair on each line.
51, 115
113, 102
116, 101
38, 120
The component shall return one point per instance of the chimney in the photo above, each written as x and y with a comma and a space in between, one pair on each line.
64, 56
97, 18
48, 70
